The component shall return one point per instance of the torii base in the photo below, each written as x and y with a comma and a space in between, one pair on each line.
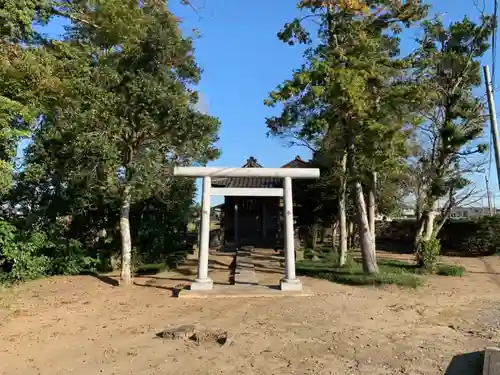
206, 284
243, 291
290, 285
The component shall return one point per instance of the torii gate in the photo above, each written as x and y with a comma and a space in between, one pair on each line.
290, 281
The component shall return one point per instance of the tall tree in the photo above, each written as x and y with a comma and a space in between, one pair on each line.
448, 68
124, 114
23, 71
351, 91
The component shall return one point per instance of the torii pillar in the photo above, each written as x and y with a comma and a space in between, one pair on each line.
290, 281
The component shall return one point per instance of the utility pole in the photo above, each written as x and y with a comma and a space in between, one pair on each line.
493, 119
490, 208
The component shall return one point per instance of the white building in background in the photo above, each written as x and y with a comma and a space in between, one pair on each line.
456, 213
471, 212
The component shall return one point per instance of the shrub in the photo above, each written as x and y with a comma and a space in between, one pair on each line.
428, 253
70, 258
20, 258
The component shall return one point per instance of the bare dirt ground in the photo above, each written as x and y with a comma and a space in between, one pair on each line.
84, 326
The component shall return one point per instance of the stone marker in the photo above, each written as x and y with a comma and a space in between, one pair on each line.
179, 333
491, 364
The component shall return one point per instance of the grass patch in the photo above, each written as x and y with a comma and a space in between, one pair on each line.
151, 269
352, 274
450, 270
442, 269
392, 272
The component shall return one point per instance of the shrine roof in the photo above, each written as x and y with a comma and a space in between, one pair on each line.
257, 182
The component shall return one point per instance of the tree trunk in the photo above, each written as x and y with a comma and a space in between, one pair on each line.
342, 210
429, 225
372, 204
334, 235
312, 236
425, 228
365, 239
126, 274
322, 234
351, 235
418, 205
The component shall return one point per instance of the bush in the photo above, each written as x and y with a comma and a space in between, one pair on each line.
428, 253
70, 258
27, 257
20, 258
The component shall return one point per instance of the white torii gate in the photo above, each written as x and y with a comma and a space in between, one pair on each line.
290, 281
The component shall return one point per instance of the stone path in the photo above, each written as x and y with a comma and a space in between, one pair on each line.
245, 269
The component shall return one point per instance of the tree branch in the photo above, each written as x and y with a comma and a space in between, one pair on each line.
74, 18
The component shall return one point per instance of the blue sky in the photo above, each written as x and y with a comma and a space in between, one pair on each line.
242, 61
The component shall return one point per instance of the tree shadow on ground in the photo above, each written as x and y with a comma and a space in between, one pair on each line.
211, 263
259, 267
273, 287
276, 257
185, 271
466, 364
174, 290
152, 277
491, 271
105, 279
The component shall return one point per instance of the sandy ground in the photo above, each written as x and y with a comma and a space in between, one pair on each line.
84, 325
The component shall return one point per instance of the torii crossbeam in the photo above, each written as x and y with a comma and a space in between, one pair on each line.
290, 281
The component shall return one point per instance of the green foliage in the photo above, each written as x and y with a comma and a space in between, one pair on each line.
394, 272
447, 68
24, 73
36, 254
110, 109
316, 201
160, 227
352, 274
351, 100
351, 85
20, 257
428, 253
17, 18
69, 257
449, 270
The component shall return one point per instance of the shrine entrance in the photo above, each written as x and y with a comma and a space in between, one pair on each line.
290, 281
